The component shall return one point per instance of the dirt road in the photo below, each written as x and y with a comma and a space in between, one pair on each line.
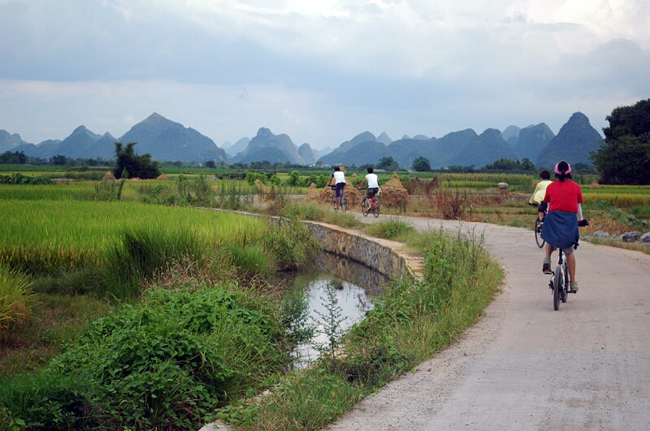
527, 367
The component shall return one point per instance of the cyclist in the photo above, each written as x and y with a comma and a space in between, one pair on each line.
373, 183
338, 181
564, 216
537, 198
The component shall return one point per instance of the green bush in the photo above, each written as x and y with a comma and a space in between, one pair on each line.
169, 360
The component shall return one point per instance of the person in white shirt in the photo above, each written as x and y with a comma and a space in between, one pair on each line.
373, 183
338, 181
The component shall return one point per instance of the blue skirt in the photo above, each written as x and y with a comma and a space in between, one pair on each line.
561, 229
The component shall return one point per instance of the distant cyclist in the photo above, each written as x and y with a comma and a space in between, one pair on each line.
373, 183
338, 181
564, 216
537, 198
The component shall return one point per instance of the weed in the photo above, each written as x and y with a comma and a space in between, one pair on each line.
16, 299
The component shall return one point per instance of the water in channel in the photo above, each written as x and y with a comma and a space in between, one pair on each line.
337, 289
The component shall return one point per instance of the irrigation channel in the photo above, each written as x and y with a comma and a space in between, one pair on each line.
335, 281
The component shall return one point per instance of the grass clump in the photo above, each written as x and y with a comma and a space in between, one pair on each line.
390, 229
16, 299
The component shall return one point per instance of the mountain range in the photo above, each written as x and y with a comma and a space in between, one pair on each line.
170, 141
576, 140
162, 138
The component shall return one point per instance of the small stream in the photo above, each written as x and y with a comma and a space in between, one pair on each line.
334, 286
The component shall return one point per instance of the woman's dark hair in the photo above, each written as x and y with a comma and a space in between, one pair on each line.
370, 170
545, 175
563, 167
336, 168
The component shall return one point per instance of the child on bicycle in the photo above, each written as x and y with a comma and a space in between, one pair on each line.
373, 183
564, 216
338, 182
537, 198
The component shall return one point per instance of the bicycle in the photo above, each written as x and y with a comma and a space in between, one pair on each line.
373, 206
340, 202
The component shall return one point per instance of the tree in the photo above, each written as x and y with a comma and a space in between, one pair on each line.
210, 164
625, 156
17, 158
59, 160
422, 165
387, 163
136, 166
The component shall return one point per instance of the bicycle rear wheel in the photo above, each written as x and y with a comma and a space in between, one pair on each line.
344, 203
365, 207
538, 233
376, 209
557, 285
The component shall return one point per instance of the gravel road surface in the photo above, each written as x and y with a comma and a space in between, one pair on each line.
524, 366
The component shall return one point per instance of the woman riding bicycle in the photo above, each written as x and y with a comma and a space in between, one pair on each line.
537, 198
564, 216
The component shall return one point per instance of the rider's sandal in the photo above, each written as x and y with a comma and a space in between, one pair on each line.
574, 287
546, 266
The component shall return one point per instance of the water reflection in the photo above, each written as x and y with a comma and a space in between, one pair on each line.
352, 287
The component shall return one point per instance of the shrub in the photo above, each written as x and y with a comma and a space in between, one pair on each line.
168, 360
452, 206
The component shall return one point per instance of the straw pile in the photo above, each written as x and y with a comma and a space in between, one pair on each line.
326, 194
108, 176
262, 190
162, 177
394, 194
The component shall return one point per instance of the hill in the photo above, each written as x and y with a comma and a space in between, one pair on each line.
337, 156
238, 147
574, 143
266, 144
483, 149
532, 140
305, 151
9, 141
168, 140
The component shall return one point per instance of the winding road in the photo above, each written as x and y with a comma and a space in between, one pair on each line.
524, 366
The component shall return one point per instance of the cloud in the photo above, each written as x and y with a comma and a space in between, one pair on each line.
322, 70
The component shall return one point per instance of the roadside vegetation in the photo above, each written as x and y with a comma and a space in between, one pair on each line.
411, 322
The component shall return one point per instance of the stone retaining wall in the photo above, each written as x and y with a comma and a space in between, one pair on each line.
389, 258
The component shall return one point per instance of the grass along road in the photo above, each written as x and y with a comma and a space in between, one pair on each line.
525, 366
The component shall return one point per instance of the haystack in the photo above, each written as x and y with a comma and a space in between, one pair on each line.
162, 177
312, 194
108, 176
394, 194
354, 196
261, 190
594, 185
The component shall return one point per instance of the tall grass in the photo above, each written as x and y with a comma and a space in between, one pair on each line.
16, 299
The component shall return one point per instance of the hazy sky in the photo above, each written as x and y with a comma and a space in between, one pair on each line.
319, 70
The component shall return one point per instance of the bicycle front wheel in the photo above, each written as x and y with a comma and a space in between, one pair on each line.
365, 207
376, 209
344, 203
538, 233
557, 286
